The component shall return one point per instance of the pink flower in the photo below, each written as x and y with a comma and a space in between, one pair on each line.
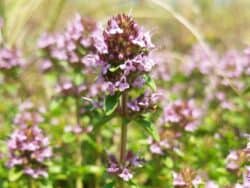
185, 114
178, 180
126, 175
29, 150
120, 62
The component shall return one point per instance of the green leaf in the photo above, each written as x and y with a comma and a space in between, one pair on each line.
150, 82
81, 50
110, 185
68, 138
56, 169
91, 142
93, 169
78, 78
113, 69
169, 162
149, 127
15, 175
110, 104
133, 184
55, 107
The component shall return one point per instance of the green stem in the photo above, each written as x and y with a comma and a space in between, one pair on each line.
32, 183
79, 182
56, 14
124, 130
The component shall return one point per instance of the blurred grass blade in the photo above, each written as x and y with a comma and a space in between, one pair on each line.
17, 19
183, 21
55, 14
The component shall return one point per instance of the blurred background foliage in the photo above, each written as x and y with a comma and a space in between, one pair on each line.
223, 24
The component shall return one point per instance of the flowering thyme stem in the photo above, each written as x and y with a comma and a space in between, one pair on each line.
124, 130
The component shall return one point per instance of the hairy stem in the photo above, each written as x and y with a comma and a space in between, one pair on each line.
124, 130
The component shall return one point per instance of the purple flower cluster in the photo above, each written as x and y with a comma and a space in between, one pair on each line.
200, 60
168, 141
28, 146
96, 89
184, 114
123, 50
231, 67
186, 178
75, 45
77, 129
27, 115
124, 171
211, 184
246, 179
143, 103
66, 87
236, 159
224, 101
162, 69
10, 59
28, 150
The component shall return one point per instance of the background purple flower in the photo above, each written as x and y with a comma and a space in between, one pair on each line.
29, 150
124, 171
183, 114
10, 59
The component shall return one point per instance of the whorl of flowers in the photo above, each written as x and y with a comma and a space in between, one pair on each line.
237, 158
246, 179
211, 184
66, 87
78, 129
144, 102
27, 115
184, 114
28, 147
75, 45
186, 178
28, 150
123, 49
168, 141
10, 59
201, 59
162, 69
124, 171
224, 101
232, 65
